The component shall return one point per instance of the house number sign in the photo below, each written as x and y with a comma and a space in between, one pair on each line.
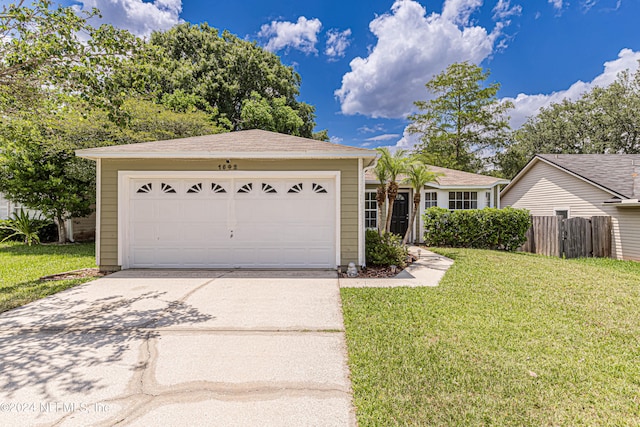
228, 167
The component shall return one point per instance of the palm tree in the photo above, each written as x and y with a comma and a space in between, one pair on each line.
418, 174
394, 164
381, 192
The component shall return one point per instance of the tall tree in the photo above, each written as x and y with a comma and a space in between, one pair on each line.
38, 167
380, 170
418, 174
247, 86
603, 121
393, 164
55, 48
464, 121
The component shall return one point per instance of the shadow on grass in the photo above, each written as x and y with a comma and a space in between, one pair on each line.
63, 343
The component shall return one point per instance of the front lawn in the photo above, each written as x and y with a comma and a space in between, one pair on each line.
506, 339
21, 266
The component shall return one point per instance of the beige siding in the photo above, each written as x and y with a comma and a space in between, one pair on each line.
109, 188
545, 188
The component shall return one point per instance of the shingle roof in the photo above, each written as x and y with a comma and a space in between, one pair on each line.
615, 172
453, 178
246, 144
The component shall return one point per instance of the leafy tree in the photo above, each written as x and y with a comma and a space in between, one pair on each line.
58, 49
380, 170
246, 86
418, 174
393, 165
602, 121
38, 167
464, 121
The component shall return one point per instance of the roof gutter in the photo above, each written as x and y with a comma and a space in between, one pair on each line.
89, 154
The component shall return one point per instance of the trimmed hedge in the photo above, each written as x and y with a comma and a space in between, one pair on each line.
487, 228
385, 250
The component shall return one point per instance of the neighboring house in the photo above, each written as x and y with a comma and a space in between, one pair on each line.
453, 190
584, 185
78, 229
245, 199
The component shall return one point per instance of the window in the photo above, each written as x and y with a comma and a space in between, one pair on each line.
463, 200
564, 213
430, 199
370, 210
487, 199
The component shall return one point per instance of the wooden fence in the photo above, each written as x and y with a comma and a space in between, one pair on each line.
569, 238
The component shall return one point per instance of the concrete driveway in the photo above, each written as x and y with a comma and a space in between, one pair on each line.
179, 348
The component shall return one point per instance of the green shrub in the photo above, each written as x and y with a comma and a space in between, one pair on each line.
24, 226
487, 228
385, 250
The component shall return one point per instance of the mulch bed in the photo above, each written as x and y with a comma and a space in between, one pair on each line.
75, 274
377, 272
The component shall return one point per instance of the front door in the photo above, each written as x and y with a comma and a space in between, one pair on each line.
400, 216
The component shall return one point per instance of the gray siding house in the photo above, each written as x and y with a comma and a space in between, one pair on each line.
584, 185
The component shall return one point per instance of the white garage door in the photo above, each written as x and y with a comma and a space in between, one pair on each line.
249, 222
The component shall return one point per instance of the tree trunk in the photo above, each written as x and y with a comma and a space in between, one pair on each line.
62, 230
392, 194
412, 220
381, 196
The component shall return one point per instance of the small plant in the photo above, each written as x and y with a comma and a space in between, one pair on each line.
385, 250
23, 225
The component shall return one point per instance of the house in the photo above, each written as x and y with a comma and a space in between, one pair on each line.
245, 199
453, 190
584, 185
78, 229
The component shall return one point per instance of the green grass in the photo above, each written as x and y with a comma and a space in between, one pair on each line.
506, 339
21, 266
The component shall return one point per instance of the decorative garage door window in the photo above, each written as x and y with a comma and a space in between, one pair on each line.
146, 188
246, 188
195, 188
296, 188
317, 188
217, 188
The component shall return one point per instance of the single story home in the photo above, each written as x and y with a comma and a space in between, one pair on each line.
245, 199
584, 185
453, 190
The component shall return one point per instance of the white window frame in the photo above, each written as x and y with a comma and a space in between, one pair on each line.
430, 201
370, 196
462, 199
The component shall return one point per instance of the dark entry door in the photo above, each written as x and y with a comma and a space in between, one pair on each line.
400, 216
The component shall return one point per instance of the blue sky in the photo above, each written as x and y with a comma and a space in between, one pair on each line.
364, 62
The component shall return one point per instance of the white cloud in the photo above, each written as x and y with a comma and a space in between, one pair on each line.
383, 137
528, 105
459, 11
335, 139
557, 4
337, 43
301, 35
408, 141
367, 129
503, 9
412, 47
137, 16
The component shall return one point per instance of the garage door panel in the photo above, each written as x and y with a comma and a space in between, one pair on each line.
223, 223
